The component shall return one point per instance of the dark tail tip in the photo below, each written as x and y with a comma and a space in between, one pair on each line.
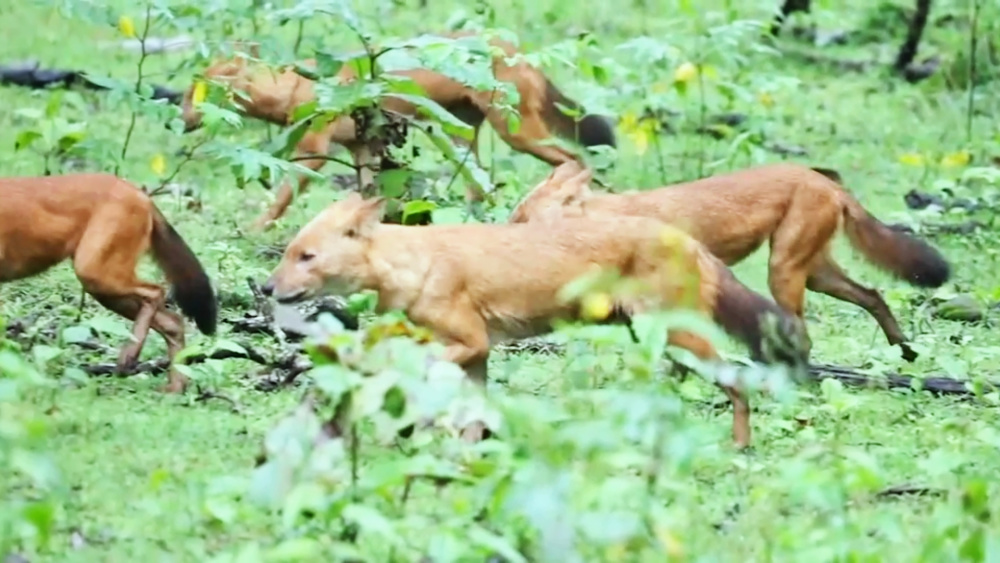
198, 302
930, 269
595, 130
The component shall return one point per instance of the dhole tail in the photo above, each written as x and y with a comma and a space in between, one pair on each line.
192, 288
742, 313
906, 257
592, 130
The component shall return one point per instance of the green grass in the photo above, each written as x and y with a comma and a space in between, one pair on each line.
138, 463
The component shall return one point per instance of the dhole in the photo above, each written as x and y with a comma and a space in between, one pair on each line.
475, 285
272, 96
798, 209
104, 224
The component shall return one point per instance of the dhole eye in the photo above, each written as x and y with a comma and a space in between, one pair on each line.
306, 256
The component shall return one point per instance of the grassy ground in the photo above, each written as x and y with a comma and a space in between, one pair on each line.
138, 462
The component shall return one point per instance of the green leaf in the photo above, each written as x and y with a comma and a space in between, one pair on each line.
429, 108
500, 545
231, 346
77, 333
296, 549
221, 510
41, 515
372, 522
393, 183
417, 206
44, 354
448, 216
25, 139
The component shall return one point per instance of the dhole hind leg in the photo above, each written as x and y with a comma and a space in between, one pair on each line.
105, 262
168, 325
312, 143
741, 405
526, 140
828, 278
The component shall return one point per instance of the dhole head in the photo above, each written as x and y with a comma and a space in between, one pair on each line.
329, 254
221, 69
561, 194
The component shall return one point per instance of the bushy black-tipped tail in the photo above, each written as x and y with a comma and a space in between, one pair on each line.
192, 288
772, 334
590, 131
904, 256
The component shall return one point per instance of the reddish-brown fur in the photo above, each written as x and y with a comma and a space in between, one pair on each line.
798, 209
273, 96
104, 225
475, 285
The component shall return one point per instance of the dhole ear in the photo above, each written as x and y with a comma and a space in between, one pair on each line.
564, 171
368, 214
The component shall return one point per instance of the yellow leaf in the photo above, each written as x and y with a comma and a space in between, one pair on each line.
629, 122
670, 543
765, 99
640, 138
686, 72
126, 26
709, 72
596, 306
956, 159
911, 159
616, 552
158, 164
200, 92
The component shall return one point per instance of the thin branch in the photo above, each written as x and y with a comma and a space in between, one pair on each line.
138, 86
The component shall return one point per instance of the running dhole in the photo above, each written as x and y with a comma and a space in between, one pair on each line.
476, 285
798, 209
104, 225
273, 96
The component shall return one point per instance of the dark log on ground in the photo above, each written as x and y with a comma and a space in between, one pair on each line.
936, 385
29, 75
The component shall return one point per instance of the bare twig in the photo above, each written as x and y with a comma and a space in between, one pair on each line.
138, 86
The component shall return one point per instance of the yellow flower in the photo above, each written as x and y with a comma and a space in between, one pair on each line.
686, 72
200, 92
126, 26
912, 159
956, 159
765, 99
158, 164
596, 306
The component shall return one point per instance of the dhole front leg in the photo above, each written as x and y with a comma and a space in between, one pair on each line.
741, 405
468, 345
312, 143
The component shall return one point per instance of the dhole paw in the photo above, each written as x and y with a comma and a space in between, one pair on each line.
261, 225
127, 360
175, 385
909, 354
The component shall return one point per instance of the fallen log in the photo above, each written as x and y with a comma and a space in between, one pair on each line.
28, 75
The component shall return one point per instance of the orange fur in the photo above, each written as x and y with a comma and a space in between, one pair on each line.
273, 96
798, 209
104, 224
476, 285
